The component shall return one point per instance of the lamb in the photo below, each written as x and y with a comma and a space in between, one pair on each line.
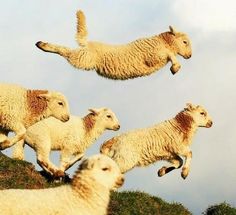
88, 194
21, 107
71, 138
167, 141
139, 58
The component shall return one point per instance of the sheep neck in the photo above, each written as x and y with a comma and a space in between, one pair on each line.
168, 39
95, 195
185, 124
92, 128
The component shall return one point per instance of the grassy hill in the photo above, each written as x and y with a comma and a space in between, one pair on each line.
22, 174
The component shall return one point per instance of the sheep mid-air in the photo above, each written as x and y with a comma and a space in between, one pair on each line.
88, 194
71, 138
139, 58
168, 141
20, 108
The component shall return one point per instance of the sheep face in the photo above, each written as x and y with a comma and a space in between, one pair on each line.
58, 105
199, 115
183, 45
107, 118
103, 170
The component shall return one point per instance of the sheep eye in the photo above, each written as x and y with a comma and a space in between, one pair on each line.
105, 169
60, 103
185, 42
203, 113
109, 116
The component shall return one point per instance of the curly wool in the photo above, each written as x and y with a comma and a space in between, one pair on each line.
165, 141
20, 108
71, 138
139, 58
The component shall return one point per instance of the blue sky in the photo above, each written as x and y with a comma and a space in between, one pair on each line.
208, 78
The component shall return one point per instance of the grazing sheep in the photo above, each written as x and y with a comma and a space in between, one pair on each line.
168, 141
20, 108
71, 138
139, 58
88, 194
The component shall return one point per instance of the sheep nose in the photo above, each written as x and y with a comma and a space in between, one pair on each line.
65, 118
118, 127
209, 124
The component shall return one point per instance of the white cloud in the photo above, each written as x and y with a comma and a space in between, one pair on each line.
207, 15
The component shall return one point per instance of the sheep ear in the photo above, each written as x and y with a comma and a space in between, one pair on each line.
172, 30
190, 106
46, 96
93, 111
86, 164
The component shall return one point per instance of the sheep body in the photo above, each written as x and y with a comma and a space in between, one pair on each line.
168, 141
138, 58
71, 138
88, 193
21, 107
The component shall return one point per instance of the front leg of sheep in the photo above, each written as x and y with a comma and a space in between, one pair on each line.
67, 162
3, 139
46, 164
186, 167
175, 64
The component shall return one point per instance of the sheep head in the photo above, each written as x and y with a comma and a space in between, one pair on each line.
106, 118
181, 43
57, 105
199, 115
103, 170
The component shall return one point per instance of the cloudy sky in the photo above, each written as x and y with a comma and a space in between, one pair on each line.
208, 78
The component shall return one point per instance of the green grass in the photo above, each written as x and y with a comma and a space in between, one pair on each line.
220, 209
140, 203
21, 174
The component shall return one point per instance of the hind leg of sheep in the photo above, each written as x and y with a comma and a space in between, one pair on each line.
177, 162
186, 167
47, 47
18, 150
67, 162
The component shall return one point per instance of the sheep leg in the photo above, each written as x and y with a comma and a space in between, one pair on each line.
175, 64
186, 167
48, 47
177, 162
3, 139
47, 165
19, 130
66, 162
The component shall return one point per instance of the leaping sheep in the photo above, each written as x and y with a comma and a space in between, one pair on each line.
167, 141
88, 194
20, 108
139, 58
71, 138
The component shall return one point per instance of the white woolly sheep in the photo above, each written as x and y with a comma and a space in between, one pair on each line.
139, 58
20, 108
88, 194
71, 138
168, 141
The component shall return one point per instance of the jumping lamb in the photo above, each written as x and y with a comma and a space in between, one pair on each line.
71, 138
20, 108
167, 141
139, 58
88, 194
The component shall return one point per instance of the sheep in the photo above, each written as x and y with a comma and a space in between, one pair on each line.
88, 193
71, 138
21, 107
167, 141
139, 58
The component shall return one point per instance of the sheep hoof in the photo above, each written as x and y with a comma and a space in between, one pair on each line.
40, 44
184, 173
175, 68
162, 171
5, 144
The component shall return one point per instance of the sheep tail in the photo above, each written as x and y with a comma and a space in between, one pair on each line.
81, 35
